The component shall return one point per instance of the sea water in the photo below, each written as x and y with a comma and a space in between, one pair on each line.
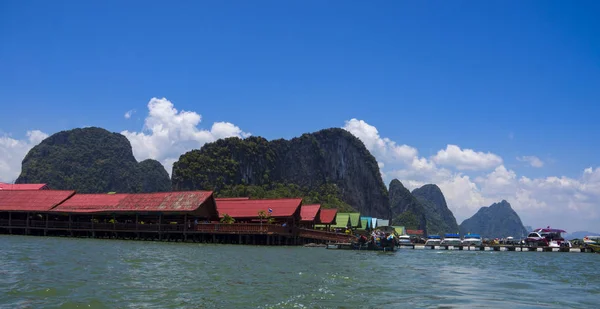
52, 272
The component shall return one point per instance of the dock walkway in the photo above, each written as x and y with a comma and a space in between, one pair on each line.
517, 248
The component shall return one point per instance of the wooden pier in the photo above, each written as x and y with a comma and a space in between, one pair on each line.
515, 248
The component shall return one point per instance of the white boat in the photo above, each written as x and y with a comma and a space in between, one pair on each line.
451, 240
433, 240
591, 240
472, 240
404, 240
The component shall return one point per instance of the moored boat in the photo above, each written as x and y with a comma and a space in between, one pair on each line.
404, 240
433, 240
595, 247
451, 239
591, 240
472, 240
546, 237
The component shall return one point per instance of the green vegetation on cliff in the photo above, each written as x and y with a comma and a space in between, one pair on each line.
330, 166
91, 160
440, 218
496, 221
406, 209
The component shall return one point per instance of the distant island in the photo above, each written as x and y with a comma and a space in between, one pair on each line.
330, 167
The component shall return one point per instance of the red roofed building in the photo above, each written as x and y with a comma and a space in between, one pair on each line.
198, 203
282, 210
32, 200
309, 215
20, 207
327, 218
414, 232
23, 186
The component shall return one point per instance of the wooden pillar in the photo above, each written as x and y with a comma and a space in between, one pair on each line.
93, 228
160, 227
185, 227
46, 229
239, 239
10, 222
27, 224
70, 228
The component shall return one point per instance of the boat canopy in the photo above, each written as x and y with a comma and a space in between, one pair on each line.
549, 230
452, 235
433, 237
472, 236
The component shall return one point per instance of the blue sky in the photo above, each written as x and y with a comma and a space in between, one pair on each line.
511, 78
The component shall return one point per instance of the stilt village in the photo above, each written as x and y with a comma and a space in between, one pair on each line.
197, 216
192, 216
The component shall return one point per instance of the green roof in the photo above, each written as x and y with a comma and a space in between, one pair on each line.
400, 230
342, 220
363, 224
355, 219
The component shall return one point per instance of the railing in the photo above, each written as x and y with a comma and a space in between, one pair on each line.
323, 235
5, 222
242, 228
218, 228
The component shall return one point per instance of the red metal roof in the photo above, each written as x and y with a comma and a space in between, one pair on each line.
414, 232
32, 200
250, 208
141, 202
309, 212
328, 216
23, 186
231, 198
91, 203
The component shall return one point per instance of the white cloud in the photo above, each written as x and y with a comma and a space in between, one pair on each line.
570, 203
466, 159
129, 113
169, 133
532, 160
12, 152
499, 181
384, 149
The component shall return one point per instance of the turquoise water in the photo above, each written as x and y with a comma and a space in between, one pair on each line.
40, 272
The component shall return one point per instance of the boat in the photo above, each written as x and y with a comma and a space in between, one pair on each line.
433, 240
472, 240
385, 243
371, 247
546, 237
404, 240
592, 242
451, 239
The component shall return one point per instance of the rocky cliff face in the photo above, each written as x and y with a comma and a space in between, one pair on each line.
496, 221
154, 177
91, 160
439, 218
406, 209
327, 158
